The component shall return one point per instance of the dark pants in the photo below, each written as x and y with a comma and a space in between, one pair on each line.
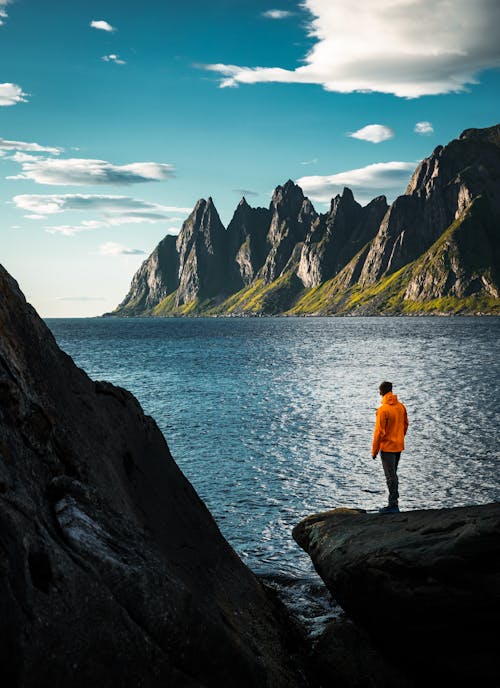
390, 462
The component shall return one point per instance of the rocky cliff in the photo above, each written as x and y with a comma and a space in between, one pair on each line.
157, 277
434, 250
112, 570
247, 245
423, 585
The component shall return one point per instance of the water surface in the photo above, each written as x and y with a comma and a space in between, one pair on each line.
271, 419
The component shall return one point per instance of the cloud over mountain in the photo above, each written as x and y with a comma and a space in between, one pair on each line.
110, 248
408, 49
88, 172
382, 178
50, 204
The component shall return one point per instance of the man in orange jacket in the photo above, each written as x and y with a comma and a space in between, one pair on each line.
389, 439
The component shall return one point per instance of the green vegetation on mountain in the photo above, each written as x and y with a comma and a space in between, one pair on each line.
436, 249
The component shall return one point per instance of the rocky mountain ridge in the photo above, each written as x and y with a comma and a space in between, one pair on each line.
435, 249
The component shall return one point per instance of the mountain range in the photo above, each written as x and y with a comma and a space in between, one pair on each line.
435, 249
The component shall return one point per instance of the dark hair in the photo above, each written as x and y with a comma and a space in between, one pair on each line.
385, 387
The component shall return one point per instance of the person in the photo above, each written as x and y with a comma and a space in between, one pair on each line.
391, 426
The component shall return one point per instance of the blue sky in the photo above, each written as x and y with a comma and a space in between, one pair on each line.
115, 117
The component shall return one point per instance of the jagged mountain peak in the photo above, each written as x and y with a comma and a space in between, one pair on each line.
347, 194
346, 199
289, 194
289, 243
490, 134
378, 200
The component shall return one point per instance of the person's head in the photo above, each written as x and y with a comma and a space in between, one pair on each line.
385, 387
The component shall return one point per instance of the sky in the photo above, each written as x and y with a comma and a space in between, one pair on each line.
117, 116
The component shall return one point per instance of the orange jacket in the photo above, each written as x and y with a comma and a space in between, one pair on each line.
390, 426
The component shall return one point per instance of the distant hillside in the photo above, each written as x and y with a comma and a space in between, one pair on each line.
436, 249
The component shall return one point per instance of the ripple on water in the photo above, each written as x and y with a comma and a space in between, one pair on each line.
271, 419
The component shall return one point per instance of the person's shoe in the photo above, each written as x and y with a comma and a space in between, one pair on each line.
389, 510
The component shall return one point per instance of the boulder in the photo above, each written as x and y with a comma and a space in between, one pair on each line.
424, 585
112, 570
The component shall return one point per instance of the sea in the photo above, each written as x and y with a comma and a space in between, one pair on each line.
271, 419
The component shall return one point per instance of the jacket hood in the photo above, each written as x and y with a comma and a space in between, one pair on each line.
389, 398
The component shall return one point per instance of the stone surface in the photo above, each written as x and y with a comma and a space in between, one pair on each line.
202, 255
157, 277
246, 244
464, 262
112, 570
336, 237
345, 657
425, 585
292, 218
440, 191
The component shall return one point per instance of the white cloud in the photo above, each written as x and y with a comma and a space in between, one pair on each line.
102, 25
3, 13
114, 58
112, 249
88, 172
113, 210
110, 220
50, 204
11, 94
424, 128
6, 145
376, 133
277, 14
387, 178
403, 47
309, 162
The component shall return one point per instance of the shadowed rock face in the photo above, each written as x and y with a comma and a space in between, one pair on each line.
424, 584
112, 571
157, 277
440, 191
202, 254
292, 217
246, 244
336, 237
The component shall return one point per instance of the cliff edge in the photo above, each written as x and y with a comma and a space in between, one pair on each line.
112, 570
423, 585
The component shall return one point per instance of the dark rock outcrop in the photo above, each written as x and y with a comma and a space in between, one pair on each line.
440, 191
157, 277
345, 657
425, 585
247, 245
202, 255
291, 218
465, 261
112, 570
336, 237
